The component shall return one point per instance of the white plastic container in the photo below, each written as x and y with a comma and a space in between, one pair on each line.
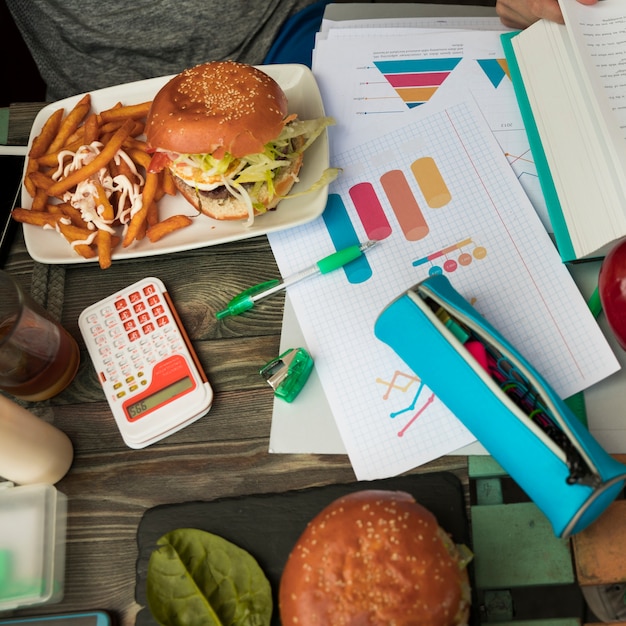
33, 520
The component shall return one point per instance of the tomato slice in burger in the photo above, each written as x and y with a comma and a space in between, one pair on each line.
159, 161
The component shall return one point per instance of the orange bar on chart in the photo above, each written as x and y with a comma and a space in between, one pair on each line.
404, 205
431, 182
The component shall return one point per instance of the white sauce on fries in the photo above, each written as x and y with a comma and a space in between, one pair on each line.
84, 197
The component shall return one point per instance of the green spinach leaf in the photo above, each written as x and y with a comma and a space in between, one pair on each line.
196, 578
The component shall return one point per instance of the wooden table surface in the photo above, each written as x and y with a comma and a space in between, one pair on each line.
225, 453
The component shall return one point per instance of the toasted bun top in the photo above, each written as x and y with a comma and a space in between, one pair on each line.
378, 558
217, 107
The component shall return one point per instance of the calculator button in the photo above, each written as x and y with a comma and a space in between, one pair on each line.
135, 296
129, 325
148, 328
143, 318
148, 290
163, 320
133, 336
120, 304
97, 330
140, 307
125, 314
158, 310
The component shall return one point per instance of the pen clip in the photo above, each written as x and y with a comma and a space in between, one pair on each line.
243, 301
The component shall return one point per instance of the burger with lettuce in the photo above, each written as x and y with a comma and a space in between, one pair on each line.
224, 131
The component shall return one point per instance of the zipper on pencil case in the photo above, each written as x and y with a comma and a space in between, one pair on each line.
522, 393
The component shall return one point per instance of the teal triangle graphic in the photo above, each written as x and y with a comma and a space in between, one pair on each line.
493, 70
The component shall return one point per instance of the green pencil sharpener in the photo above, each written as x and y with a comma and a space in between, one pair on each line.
288, 373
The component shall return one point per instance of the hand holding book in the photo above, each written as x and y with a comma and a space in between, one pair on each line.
569, 85
523, 13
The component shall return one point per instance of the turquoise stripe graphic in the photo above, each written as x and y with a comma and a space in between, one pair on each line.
417, 65
343, 235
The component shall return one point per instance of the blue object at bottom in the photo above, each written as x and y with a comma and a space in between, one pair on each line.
413, 331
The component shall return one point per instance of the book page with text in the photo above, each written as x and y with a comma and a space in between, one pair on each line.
598, 34
598, 37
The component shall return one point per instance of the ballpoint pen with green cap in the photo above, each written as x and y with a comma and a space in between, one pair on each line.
246, 299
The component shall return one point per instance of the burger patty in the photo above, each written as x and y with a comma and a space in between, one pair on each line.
219, 193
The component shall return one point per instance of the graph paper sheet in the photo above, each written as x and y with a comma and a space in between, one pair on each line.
439, 196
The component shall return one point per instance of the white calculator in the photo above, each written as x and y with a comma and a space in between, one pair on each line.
145, 363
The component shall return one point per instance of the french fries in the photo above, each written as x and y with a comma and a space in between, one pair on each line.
168, 225
88, 175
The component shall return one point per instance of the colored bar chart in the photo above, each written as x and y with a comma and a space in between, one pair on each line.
417, 80
373, 212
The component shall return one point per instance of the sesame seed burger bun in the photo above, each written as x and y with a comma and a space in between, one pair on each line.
227, 110
217, 107
377, 558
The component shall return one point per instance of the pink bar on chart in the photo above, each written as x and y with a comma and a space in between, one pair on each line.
423, 79
370, 211
404, 205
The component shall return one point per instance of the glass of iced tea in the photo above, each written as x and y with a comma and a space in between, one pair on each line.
38, 357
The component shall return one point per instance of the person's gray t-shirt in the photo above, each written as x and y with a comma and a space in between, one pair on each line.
82, 45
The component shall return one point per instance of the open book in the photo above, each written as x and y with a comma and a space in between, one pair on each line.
571, 85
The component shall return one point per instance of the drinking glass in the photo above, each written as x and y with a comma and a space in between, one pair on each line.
38, 357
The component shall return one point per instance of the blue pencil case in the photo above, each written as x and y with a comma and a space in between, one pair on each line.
504, 402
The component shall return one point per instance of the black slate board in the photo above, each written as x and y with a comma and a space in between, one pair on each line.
268, 525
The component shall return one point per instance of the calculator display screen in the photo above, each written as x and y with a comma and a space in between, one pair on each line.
161, 396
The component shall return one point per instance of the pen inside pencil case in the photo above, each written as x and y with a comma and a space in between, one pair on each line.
520, 390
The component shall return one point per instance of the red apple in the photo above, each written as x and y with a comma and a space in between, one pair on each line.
612, 290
